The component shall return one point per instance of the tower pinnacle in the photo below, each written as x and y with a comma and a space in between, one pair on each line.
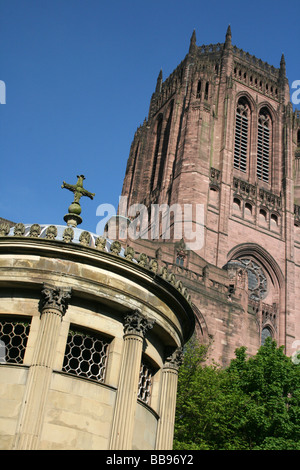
193, 43
282, 66
159, 82
228, 37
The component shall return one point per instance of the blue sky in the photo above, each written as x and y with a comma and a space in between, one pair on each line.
79, 76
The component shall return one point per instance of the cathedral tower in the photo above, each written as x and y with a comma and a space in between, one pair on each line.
221, 132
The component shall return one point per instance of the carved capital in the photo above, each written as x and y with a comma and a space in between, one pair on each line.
137, 324
174, 359
55, 298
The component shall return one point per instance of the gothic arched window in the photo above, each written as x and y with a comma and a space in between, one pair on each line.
241, 140
198, 95
266, 333
206, 91
158, 137
165, 144
264, 139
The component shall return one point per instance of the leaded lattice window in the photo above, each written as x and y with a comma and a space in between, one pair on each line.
86, 354
263, 146
241, 136
13, 339
145, 383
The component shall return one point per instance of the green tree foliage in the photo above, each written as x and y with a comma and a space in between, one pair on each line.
252, 404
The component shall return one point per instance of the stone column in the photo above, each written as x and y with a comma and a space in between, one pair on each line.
165, 432
54, 303
135, 327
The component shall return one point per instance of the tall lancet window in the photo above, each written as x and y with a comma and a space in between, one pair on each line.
241, 140
155, 157
264, 145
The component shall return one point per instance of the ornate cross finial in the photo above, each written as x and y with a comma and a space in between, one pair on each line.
73, 217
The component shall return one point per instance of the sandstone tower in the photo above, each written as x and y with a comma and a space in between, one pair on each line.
221, 132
